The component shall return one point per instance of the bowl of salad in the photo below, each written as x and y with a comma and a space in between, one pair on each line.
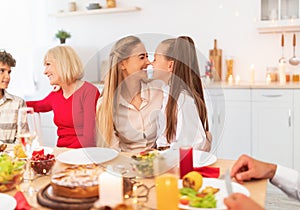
11, 172
142, 163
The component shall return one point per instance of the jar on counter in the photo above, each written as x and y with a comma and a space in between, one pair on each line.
272, 73
288, 76
111, 3
296, 77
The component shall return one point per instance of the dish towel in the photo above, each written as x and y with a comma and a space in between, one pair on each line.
208, 171
22, 203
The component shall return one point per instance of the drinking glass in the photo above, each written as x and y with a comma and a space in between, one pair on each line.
229, 65
167, 192
27, 133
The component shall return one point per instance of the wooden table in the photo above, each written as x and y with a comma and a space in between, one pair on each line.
256, 188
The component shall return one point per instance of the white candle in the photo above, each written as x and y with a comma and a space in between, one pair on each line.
252, 73
237, 79
282, 78
268, 79
230, 79
110, 189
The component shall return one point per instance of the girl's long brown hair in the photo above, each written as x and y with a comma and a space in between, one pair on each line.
185, 77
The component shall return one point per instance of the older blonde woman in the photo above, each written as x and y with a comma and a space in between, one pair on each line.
127, 110
73, 102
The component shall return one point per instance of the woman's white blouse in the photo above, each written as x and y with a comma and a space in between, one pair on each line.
189, 131
135, 129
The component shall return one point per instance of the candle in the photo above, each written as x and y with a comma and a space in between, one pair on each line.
110, 189
252, 73
268, 79
237, 79
167, 192
230, 79
186, 160
282, 78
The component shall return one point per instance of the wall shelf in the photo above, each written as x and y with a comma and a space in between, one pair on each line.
96, 12
278, 26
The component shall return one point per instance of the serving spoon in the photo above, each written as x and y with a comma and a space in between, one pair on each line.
294, 60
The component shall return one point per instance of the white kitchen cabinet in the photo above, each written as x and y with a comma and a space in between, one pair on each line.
236, 133
229, 114
272, 126
215, 104
278, 16
297, 129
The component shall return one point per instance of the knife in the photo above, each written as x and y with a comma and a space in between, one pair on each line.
228, 182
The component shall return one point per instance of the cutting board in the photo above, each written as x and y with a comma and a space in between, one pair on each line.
47, 198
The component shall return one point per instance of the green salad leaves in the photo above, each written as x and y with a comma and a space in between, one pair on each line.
9, 168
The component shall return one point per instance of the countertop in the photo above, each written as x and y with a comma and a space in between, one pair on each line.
273, 85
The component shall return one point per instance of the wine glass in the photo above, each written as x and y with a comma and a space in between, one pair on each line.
27, 133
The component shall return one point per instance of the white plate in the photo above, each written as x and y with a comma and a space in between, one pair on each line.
216, 183
87, 156
8, 201
201, 158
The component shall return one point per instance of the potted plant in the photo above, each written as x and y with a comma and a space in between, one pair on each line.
62, 35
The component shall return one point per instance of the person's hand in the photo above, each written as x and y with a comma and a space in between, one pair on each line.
247, 168
238, 201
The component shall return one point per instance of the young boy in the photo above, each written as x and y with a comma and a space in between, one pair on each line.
9, 104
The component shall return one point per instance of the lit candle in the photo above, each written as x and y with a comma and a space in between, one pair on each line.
268, 79
237, 79
230, 79
186, 160
252, 73
110, 189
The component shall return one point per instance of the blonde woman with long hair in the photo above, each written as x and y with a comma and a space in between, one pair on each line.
126, 112
73, 101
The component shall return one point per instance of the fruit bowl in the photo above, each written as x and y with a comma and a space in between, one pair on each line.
11, 172
42, 163
42, 167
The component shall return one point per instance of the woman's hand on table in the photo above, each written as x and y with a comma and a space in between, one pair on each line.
247, 168
238, 201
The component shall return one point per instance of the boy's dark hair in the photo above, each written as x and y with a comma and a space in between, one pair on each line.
6, 58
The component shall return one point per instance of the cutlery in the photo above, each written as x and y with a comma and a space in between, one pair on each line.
294, 60
282, 59
228, 182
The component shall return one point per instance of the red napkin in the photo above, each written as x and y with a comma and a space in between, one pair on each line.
208, 171
22, 203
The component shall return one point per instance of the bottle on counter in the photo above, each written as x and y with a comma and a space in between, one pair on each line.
215, 55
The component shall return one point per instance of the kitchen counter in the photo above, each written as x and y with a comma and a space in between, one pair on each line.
262, 85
